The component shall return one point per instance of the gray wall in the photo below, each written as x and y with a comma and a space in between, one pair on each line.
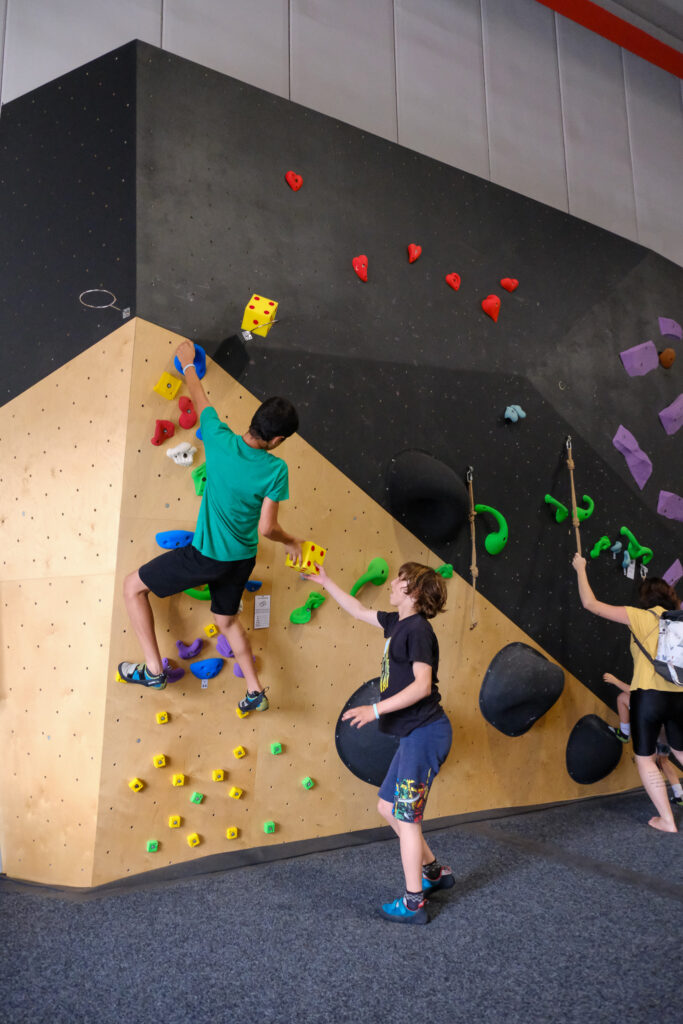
504, 89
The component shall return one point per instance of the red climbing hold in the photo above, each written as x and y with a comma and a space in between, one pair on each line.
164, 430
188, 417
414, 252
491, 306
294, 180
360, 265
453, 280
510, 284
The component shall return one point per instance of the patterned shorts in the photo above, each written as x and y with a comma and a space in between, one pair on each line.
414, 767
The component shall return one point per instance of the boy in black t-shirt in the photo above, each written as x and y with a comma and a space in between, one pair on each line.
409, 707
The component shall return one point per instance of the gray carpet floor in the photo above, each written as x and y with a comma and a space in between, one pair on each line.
569, 914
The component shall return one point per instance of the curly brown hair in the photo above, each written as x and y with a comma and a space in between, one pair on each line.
425, 586
653, 591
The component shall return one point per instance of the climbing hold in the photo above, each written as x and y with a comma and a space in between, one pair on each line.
601, 545
520, 685
193, 839
616, 548
376, 573
188, 417
172, 674
238, 671
198, 434
163, 430
585, 513
275, 747
510, 284
183, 453
259, 315
294, 180
174, 821
218, 775
199, 362
269, 827
232, 832
207, 669
453, 281
445, 571
199, 479
136, 785
167, 386
239, 752
302, 615
593, 751
199, 593
162, 717
196, 798
495, 541
310, 554
635, 549
666, 358
640, 359
491, 306
253, 585
427, 496
360, 265
211, 630
366, 752
561, 511
223, 647
235, 792
187, 651
626, 560
174, 538
178, 779
159, 760
308, 782
152, 845
414, 253
514, 413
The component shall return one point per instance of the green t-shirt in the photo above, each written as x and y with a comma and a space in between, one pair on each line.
238, 478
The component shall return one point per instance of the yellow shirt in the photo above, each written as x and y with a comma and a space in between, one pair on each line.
646, 627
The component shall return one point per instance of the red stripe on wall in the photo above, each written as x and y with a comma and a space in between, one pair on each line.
618, 31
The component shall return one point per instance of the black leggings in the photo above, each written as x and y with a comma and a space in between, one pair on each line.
650, 710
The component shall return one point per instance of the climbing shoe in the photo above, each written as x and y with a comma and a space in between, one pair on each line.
621, 736
398, 912
130, 672
256, 701
444, 880
677, 801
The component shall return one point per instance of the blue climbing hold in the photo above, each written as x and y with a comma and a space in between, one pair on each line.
174, 538
206, 669
514, 413
253, 585
198, 435
199, 362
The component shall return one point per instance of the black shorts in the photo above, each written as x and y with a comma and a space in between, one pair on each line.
182, 568
650, 710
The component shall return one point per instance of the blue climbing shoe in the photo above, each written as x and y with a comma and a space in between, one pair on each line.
444, 881
132, 672
398, 912
254, 702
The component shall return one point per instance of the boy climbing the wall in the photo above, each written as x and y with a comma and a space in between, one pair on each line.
410, 708
245, 483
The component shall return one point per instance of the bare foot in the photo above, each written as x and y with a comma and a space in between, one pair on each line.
662, 826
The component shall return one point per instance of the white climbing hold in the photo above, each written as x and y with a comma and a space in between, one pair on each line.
182, 454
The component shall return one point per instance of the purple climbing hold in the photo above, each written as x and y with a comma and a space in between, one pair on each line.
206, 669
223, 647
172, 674
238, 671
192, 651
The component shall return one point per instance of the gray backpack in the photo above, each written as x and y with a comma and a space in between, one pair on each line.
668, 659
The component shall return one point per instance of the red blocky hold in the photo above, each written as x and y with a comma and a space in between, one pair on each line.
491, 306
188, 417
510, 284
414, 252
164, 430
294, 180
360, 265
453, 280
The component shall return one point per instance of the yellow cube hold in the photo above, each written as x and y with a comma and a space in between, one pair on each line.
178, 779
217, 775
162, 717
240, 713
193, 839
168, 386
232, 832
259, 315
136, 785
235, 792
239, 752
159, 760
174, 821
310, 554
211, 630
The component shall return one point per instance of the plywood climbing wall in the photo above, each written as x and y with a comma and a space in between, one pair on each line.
311, 670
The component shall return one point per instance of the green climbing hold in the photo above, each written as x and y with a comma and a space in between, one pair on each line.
561, 511
604, 544
199, 478
199, 593
300, 616
445, 570
635, 549
376, 573
495, 541
585, 513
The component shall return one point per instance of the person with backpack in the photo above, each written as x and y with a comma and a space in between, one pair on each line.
656, 700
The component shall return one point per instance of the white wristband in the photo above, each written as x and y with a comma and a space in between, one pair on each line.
376, 711
189, 366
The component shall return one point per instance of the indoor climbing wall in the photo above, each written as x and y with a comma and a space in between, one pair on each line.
78, 738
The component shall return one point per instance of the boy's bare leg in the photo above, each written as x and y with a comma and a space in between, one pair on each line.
655, 787
236, 636
668, 769
136, 597
623, 707
414, 850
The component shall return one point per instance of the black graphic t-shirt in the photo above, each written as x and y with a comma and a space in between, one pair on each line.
408, 640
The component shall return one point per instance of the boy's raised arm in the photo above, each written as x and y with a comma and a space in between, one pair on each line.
350, 604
